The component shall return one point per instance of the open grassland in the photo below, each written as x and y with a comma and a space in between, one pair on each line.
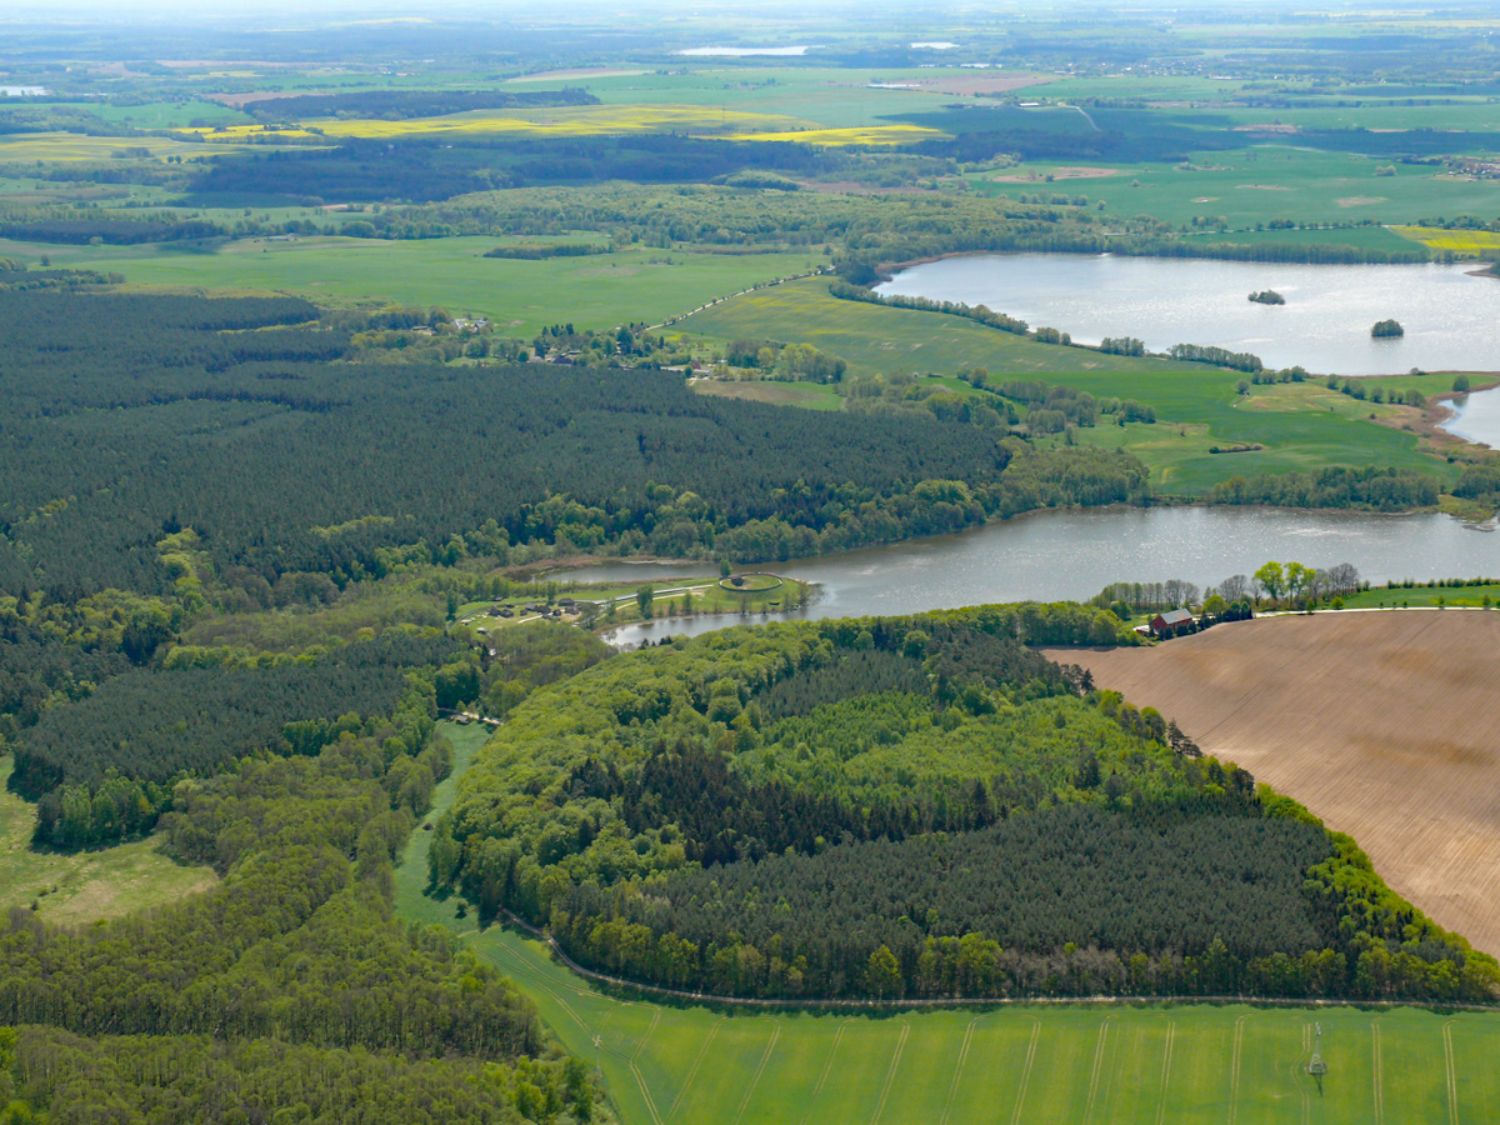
570, 121
874, 339
1265, 183
1152, 1063
519, 297
809, 396
1380, 723
832, 96
164, 114
1301, 426
75, 888
1478, 243
1399, 597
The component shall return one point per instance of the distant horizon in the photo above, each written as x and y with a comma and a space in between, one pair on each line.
153, 12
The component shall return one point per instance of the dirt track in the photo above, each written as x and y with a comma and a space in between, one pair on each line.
1384, 724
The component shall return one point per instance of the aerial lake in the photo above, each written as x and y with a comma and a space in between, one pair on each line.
1074, 554
1451, 315
1476, 417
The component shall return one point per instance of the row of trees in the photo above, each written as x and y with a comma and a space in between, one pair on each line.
1371, 488
1294, 584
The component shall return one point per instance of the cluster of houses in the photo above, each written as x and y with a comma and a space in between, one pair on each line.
558, 609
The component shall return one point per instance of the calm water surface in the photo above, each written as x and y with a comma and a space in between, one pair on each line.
1451, 316
1476, 417
1073, 555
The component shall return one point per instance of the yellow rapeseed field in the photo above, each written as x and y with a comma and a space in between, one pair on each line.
1479, 243
60, 147
858, 135
580, 121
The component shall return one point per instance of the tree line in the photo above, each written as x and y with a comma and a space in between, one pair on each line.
1372, 488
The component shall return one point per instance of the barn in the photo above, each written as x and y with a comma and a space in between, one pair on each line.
1171, 623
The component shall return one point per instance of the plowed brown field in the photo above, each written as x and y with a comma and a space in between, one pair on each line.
1386, 725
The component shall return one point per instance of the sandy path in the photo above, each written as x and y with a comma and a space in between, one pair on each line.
1384, 724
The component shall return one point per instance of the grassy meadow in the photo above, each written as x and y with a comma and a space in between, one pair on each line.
1299, 425
1481, 595
75, 888
834, 97
519, 297
1259, 185
1127, 1063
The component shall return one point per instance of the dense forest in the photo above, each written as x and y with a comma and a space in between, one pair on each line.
425, 171
290, 984
916, 807
103, 767
219, 413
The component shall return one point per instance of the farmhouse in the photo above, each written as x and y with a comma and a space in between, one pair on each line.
1171, 623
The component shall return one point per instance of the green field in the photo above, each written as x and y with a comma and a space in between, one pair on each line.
1263, 183
1125, 1063
520, 297
74, 888
1382, 597
834, 97
1302, 426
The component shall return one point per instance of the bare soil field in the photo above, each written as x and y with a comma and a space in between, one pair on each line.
1381, 723
1080, 172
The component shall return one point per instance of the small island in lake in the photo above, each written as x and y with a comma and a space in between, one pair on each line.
1267, 297
1387, 328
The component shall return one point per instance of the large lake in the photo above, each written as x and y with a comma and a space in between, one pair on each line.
1451, 316
1074, 554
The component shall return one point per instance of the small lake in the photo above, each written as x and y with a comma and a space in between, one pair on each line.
1074, 554
1476, 417
1451, 316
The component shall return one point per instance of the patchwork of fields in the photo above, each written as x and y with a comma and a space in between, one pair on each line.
1381, 723
519, 297
1119, 1063
1301, 426
573, 121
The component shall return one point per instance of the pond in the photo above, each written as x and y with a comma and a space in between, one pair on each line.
1476, 417
1451, 314
1074, 554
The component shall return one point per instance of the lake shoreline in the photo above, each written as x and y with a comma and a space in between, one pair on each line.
1168, 300
559, 568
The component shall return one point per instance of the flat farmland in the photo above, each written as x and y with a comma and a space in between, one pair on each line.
1382, 723
520, 297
